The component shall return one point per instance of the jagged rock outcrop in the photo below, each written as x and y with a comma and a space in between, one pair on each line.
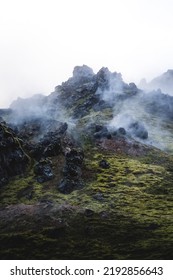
42, 137
83, 72
72, 171
13, 159
86, 91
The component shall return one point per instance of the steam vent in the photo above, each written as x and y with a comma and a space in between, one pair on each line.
87, 171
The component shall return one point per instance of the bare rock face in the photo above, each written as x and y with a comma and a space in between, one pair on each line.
13, 159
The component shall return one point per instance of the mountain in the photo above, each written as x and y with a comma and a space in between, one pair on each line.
87, 172
164, 82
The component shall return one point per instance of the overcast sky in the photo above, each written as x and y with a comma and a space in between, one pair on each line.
42, 40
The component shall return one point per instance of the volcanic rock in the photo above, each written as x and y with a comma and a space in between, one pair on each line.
102, 133
104, 164
43, 138
71, 171
13, 159
43, 170
137, 129
120, 132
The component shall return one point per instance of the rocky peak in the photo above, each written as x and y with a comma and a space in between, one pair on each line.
82, 71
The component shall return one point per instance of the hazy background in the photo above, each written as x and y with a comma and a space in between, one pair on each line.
42, 40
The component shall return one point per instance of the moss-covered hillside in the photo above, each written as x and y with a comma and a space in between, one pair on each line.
88, 191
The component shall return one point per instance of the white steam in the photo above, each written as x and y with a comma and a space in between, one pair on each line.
135, 109
112, 88
163, 82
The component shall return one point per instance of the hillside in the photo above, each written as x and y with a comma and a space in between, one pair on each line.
87, 172
163, 82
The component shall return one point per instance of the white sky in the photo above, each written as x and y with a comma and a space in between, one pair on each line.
42, 40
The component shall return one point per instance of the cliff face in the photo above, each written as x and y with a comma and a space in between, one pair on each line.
83, 175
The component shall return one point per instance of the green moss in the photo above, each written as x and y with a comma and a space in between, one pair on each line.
20, 190
131, 220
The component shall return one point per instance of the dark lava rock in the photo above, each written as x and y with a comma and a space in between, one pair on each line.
112, 85
137, 129
72, 171
98, 127
93, 128
86, 91
84, 108
104, 164
13, 159
83, 71
102, 133
82, 80
34, 128
121, 131
43, 171
74, 156
98, 131
49, 144
89, 212
133, 88
103, 77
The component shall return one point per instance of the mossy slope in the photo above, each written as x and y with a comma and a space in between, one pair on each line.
122, 212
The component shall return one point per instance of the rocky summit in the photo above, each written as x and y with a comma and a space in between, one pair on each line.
87, 171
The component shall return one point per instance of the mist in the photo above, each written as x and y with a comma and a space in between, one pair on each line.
145, 116
163, 83
42, 41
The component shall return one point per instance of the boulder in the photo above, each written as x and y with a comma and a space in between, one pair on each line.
43, 170
102, 132
138, 129
104, 164
120, 132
